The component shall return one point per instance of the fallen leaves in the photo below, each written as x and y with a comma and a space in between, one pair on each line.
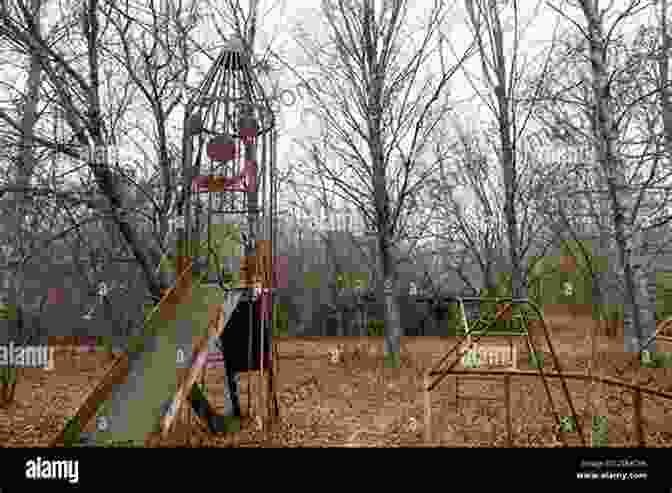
357, 402
45, 399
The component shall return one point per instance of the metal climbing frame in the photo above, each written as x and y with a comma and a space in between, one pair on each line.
228, 177
485, 326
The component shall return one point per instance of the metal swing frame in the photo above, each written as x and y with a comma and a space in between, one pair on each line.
440, 374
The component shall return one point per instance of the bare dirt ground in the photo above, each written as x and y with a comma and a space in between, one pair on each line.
359, 403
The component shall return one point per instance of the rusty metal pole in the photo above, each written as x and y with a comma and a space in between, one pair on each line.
507, 403
251, 253
428, 408
637, 417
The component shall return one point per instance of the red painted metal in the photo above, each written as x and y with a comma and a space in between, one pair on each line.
222, 148
245, 182
55, 296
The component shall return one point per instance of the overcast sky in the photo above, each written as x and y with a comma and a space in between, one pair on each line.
538, 22
276, 23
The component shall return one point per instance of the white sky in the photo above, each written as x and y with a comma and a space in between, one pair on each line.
538, 24
278, 18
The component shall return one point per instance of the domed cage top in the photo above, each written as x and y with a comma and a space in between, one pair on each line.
228, 169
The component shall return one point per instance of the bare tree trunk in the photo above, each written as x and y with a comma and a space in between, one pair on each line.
485, 14
604, 129
388, 292
663, 68
364, 102
387, 287
26, 166
20, 207
101, 168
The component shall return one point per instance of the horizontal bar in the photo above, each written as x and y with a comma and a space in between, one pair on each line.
240, 211
533, 373
495, 334
474, 398
470, 299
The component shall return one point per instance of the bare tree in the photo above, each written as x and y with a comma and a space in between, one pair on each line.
378, 119
25, 166
486, 21
77, 90
605, 133
156, 62
608, 95
665, 92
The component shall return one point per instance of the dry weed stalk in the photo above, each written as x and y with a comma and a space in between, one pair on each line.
596, 390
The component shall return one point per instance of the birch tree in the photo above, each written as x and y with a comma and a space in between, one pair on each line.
25, 166
605, 134
665, 91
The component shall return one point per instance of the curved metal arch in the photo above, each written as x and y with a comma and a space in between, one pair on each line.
229, 92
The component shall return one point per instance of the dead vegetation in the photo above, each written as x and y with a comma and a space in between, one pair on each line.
354, 401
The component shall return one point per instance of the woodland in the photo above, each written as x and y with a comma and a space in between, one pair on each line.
465, 148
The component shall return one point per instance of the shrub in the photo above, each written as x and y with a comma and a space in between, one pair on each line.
567, 424
471, 359
8, 380
392, 361
199, 392
123, 444
228, 279
280, 320
663, 295
657, 359
600, 432
376, 328
72, 431
106, 342
136, 344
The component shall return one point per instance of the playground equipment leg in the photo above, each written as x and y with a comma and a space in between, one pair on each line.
233, 384
428, 408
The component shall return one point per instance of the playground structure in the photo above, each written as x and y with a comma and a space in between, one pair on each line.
230, 118
468, 354
230, 126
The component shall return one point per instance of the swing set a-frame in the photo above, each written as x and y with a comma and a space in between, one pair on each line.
470, 337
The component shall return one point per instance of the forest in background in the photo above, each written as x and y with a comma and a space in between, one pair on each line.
574, 151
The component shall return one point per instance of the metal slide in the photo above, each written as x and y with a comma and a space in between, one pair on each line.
127, 404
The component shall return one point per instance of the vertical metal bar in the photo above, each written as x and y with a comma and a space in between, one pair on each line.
209, 222
637, 418
507, 403
428, 408
457, 393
